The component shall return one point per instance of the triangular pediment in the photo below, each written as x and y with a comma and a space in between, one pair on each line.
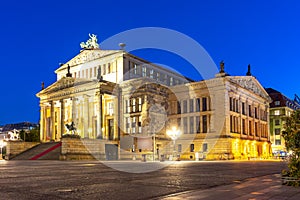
87, 55
250, 83
64, 83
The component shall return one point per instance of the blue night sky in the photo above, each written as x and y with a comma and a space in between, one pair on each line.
37, 35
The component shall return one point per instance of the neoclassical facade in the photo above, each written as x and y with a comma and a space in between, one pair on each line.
119, 99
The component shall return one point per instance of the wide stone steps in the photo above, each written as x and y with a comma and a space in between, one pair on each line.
44, 151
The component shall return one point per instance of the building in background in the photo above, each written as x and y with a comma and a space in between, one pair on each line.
128, 106
280, 108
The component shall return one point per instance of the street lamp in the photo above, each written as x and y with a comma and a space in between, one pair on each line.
2, 144
174, 133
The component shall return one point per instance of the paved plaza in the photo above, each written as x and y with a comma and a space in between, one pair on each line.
179, 180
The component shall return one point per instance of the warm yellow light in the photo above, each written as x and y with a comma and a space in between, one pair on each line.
174, 133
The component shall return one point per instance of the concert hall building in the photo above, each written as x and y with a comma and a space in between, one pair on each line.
118, 106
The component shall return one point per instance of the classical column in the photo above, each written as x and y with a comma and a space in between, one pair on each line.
74, 111
62, 117
99, 117
42, 123
52, 130
86, 116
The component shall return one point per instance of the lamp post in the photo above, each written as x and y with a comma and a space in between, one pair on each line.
174, 133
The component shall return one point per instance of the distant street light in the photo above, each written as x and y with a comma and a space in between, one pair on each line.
174, 133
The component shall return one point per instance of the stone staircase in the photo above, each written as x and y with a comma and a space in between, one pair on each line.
44, 151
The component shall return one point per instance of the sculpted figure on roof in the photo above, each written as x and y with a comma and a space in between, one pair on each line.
91, 43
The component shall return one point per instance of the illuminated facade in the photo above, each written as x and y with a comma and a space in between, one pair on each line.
280, 108
126, 102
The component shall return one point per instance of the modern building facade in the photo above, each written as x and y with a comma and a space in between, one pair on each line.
280, 108
124, 101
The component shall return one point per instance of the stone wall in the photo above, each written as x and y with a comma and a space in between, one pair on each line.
14, 148
83, 149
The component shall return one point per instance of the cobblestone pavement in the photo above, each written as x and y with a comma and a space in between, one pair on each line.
95, 180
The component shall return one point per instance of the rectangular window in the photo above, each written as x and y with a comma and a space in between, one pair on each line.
277, 122
144, 71
127, 104
140, 102
250, 111
277, 112
243, 109
91, 73
171, 81
198, 124
178, 107
191, 125
140, 124
255, 113
191, 105
151, 73
250, 127
244, 126
204, 104
185, 125
192, 147
204, 147
256, 129
233, 105
197, 104
133, 125
157, 76
277, 131
104, 69
204, 123
108, 68
110, 108
133, 103
127, 124
230, 104
95, 71
184, 106
277, 103
179, 148
277, 142
237, 106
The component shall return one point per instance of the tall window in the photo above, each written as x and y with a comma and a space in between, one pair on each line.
133, 102
198, 124
197, 104
192, 147
204, 123
144, 71
140, 102
230, 104
204, 147
243, 109
256, 129
178, 107
127, 124
277, 131
191, 105
255, 113
250, 128
244, 126
191, 125
108, 68
277, 122
127, 106
133, 125
185, 125
204, 104
179, 148
184, 106
250, 111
